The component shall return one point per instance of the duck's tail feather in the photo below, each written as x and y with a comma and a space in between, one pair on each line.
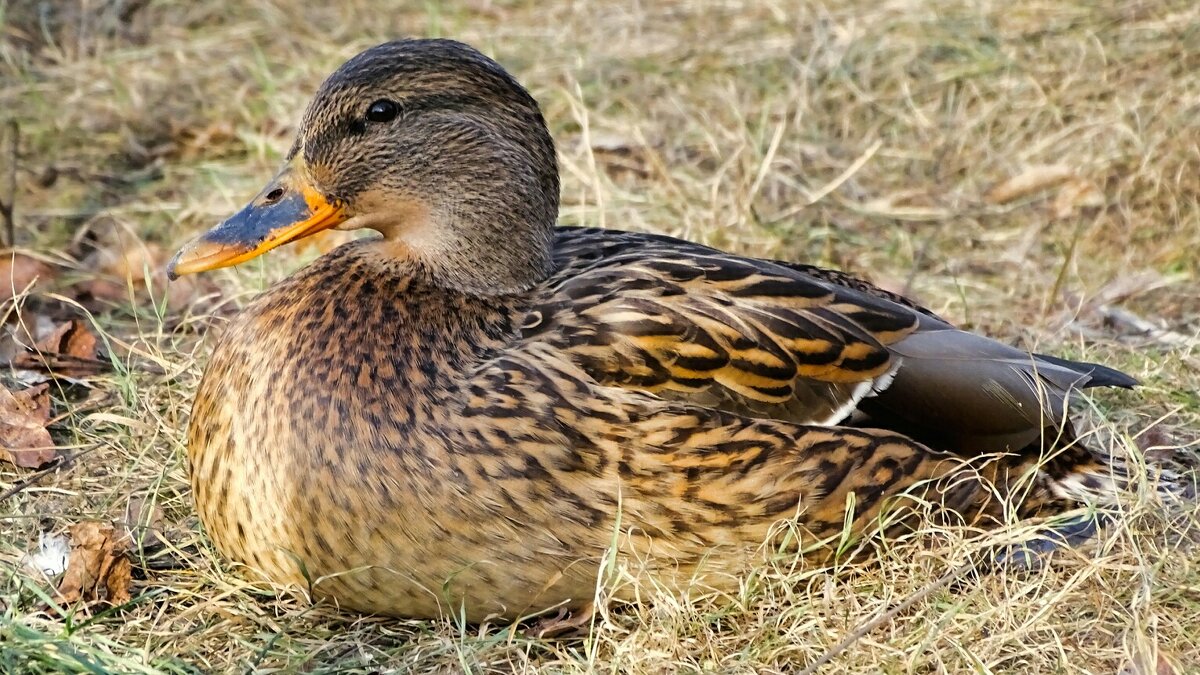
1097, 375
973, 395
1076, 474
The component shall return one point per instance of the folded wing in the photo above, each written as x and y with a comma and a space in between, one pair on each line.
792, 342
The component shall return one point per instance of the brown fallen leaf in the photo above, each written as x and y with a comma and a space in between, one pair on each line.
18, 272
70, 350
106, 290
119, 266
1033, 179
73, 338
1155, 443
97, 562
24, 440
905, 204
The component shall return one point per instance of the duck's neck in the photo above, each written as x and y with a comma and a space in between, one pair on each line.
484, 264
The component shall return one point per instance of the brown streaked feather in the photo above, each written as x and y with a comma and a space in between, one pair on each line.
692, 324
792, 342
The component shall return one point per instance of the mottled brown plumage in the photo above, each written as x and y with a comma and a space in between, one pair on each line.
463, 415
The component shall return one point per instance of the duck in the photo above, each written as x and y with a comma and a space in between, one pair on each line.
468, 413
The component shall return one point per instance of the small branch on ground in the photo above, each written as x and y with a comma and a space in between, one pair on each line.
1136, 325
60, 462
8, 204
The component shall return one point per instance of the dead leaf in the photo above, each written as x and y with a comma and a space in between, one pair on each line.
19, 272
74, 339
70, 350
1128, 284
24, 440
121, 265
97, 561
1157, 441
1033, 179
99, 289
906, 205
143, 522
131, 262
1076, 195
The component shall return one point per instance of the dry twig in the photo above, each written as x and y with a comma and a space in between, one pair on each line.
8, 205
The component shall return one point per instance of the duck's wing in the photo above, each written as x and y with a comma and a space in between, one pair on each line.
688, 477
790, 342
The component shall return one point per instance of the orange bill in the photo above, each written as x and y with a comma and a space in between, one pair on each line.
289, 208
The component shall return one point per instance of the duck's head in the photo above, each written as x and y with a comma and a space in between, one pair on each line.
429, 142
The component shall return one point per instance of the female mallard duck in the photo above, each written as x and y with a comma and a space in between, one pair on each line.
463, 415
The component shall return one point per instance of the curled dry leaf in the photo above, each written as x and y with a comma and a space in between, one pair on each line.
120, 266
1156, 444
24, 440
97, 561
621, 156
73, 338
1033, 179
906, 205
70, 350
130, 262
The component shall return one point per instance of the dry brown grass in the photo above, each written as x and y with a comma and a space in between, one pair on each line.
864, 135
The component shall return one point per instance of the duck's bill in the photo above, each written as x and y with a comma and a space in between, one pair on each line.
286, 210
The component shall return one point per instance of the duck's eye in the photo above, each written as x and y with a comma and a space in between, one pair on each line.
382, 110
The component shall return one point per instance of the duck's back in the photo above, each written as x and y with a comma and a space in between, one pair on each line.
794, 342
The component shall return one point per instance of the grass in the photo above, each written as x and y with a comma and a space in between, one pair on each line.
860, 135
